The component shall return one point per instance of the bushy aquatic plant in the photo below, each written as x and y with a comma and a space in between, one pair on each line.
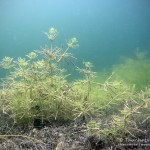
99, 97
37, 90
84, 107
93, 128
131, 122
37, 86
110, 94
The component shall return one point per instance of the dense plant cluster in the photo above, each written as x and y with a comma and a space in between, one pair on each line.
36, 86
37, 89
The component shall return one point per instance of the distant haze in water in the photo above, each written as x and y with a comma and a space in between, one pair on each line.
105, 29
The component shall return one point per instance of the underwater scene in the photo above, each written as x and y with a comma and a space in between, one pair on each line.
74, 75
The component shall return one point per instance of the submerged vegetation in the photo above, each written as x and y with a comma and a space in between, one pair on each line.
134, 71
36, 92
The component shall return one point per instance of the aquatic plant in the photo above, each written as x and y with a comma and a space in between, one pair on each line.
7, 63
93, 128
84, 107
131, 122
37, 92
37, 86
134, 71
109, 94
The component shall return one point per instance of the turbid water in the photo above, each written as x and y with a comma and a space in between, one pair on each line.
106, 30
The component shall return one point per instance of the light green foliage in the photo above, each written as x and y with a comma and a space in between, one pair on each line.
52, 34
109, 94
84, 107
134, 71
6, 63
32, 55
93, 128
36, 86
132, 120
73, 43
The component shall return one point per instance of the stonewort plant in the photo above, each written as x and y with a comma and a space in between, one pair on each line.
36, 92
36, 86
